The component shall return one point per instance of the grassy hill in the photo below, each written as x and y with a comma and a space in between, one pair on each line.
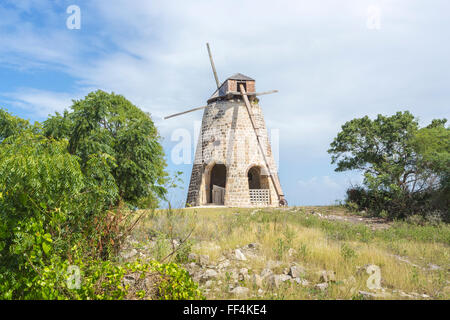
298, 253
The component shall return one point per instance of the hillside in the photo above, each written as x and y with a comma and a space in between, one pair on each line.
298, 253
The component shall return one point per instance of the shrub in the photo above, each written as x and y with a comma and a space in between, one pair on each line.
61, 201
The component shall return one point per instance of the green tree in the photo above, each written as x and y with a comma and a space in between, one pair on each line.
400, 161
109, 126
11, 125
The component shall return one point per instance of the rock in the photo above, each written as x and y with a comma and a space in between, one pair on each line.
129, 280
224, 264
240, 291
257, 280
303, 282
297, 272
192, 257
129, 254
210, 273
286, 271
208, 283
275, 280
322, 286
284, 277
203, 260
243, 274
239, 255
266, 272
327, 276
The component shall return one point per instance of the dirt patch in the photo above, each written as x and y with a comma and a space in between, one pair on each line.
334, 214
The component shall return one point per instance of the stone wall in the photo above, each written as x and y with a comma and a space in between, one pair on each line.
227, 137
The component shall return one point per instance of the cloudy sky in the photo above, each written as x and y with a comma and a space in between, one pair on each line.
331, 61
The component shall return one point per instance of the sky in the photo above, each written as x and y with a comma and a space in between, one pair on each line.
331, 61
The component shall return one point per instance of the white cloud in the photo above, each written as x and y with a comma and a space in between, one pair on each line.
39, 103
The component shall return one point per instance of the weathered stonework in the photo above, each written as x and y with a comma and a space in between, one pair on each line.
227, 138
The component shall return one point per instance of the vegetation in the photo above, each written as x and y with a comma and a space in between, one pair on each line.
66, 187
413, 258
406, 168
125, 137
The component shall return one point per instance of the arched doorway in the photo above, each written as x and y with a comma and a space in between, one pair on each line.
254, 178
258, 185
218, 177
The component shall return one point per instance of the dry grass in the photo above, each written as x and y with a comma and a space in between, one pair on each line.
318, 244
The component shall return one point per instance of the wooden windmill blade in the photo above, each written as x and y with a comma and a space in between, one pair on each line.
260, 93
273, 177
213, 66
180, 113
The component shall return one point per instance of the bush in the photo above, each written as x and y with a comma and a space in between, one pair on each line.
64, 190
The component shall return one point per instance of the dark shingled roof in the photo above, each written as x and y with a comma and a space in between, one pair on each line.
240, 76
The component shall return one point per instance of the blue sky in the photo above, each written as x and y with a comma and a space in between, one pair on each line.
327, 62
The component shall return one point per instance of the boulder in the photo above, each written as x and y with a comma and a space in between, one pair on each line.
297, 272
284, 277
203, 260
302, 282
240, 291
239, 255
210, 273
275, 280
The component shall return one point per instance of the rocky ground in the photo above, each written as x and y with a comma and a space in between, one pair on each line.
249, 271
231, 277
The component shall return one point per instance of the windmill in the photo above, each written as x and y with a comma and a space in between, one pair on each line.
233, 165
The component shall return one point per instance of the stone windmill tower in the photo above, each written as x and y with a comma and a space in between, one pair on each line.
233, 165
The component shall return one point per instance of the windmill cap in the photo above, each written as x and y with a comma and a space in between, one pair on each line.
240, 76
